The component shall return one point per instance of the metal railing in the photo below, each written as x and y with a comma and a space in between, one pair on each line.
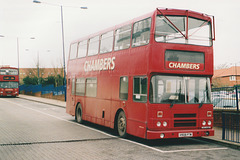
230, 126
226, 98
43, 89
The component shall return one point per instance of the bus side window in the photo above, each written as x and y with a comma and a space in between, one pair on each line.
123, 89
82, 49
73, 86
140, 89
122, 38
68, 82
91, 87
106, 42
93, 46
141, 32
73, 51
80, 86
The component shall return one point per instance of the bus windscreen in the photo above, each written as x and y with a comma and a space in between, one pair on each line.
174, 29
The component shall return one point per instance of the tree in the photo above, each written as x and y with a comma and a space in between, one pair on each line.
59, 80
30, 80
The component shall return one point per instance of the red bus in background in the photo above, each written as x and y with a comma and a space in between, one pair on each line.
9, 81
149, 77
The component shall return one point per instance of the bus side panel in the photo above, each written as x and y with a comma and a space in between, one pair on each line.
90, 109
70, 109
115, 102
136, 123
103, 112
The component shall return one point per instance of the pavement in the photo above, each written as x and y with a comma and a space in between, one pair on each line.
44, 100
217, 138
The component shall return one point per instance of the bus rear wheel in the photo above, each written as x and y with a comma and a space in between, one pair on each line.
122, 125
78, 114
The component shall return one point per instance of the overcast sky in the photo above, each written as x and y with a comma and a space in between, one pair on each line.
23, 19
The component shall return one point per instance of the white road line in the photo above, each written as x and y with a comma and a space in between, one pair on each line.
126, 140
194, 150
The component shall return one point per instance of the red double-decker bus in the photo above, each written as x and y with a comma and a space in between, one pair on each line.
9, 81
149, 77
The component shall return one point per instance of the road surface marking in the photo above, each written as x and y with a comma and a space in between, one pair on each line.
126, 140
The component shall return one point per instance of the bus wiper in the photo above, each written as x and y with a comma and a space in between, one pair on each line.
171, 105
201, 104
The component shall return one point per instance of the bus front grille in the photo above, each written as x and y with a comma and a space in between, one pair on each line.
185, 115
185, 123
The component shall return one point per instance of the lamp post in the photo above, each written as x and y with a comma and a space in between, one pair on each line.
64, 70
18, 55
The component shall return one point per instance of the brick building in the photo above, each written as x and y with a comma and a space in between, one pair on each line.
43, 72
226, 77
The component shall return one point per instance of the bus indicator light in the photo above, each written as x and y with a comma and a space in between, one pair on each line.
209, 113
160, 114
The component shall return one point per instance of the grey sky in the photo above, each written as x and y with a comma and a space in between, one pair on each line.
24, 19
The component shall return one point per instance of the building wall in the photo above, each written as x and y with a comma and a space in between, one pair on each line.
227, 81
43, 72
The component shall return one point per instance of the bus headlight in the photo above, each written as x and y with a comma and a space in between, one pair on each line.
158, 124
164, 123
204, 123
209, 123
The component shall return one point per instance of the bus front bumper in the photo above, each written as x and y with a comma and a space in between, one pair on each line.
179, 133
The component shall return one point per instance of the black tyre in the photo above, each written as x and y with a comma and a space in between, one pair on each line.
78, 114
122, 125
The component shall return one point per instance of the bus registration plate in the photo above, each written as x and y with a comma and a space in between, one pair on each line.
185, 134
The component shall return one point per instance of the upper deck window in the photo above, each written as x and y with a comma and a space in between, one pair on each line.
82, 49
8, 72
141, 32
122, 38
106, 42
73, 51
93, 46
173, 29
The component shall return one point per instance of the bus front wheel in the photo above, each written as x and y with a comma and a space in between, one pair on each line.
122, 125
78, 114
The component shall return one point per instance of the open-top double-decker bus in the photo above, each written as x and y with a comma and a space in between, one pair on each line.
149, 77
9, 81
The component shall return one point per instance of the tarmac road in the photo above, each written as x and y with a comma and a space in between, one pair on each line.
32, 130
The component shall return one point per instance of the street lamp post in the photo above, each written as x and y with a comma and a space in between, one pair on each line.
18, 55
64, 70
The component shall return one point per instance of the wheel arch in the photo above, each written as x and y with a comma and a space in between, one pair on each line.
116, 117
81, 111
76, 107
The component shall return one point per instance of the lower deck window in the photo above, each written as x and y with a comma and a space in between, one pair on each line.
123, 93
80, 86
140, 89
91, 87
73, 86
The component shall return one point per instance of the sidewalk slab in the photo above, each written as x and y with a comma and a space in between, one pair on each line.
44, 100
217, 138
